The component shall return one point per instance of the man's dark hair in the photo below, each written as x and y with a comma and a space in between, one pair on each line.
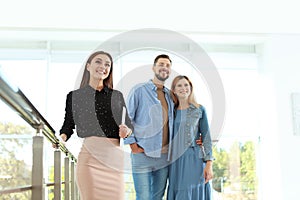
162, 56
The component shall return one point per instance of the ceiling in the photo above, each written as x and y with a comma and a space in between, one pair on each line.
231, 22
231, 16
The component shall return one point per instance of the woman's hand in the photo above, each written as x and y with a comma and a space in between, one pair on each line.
124, 131
63, 137
208, 172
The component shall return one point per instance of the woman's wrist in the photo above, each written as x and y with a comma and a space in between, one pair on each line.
209, 162
129, 132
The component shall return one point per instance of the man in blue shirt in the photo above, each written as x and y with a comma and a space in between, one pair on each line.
150, 108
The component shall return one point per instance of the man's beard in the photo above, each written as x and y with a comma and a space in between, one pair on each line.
161, 78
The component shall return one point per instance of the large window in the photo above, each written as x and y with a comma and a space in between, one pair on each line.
46, 82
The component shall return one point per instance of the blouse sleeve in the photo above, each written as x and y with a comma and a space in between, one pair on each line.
68, 125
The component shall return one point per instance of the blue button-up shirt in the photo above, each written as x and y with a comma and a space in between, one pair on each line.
146, 113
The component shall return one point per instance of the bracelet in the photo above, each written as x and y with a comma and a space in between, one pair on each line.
128, 134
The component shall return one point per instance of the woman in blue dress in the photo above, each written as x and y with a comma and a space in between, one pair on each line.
191, 166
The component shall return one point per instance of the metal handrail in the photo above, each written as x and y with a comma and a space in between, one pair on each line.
17, 100
16, 190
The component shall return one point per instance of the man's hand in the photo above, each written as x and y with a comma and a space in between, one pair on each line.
135, 148
199, 141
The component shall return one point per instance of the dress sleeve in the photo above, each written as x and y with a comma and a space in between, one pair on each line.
206, 137
68, 125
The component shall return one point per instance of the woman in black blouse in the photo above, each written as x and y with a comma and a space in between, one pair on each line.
96, 111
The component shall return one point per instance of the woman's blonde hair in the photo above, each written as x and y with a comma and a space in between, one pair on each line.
191, 99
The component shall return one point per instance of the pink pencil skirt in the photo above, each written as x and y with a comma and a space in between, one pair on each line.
99, 171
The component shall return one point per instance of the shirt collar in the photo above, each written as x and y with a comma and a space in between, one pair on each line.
192, 106
105, 89
153, 86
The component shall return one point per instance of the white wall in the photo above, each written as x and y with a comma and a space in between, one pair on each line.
280, 148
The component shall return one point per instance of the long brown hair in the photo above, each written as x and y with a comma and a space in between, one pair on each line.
191, 99
86, 74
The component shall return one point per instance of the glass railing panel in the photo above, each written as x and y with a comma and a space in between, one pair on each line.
15, 152
19, 122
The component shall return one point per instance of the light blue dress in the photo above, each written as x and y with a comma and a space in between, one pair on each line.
186, 180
